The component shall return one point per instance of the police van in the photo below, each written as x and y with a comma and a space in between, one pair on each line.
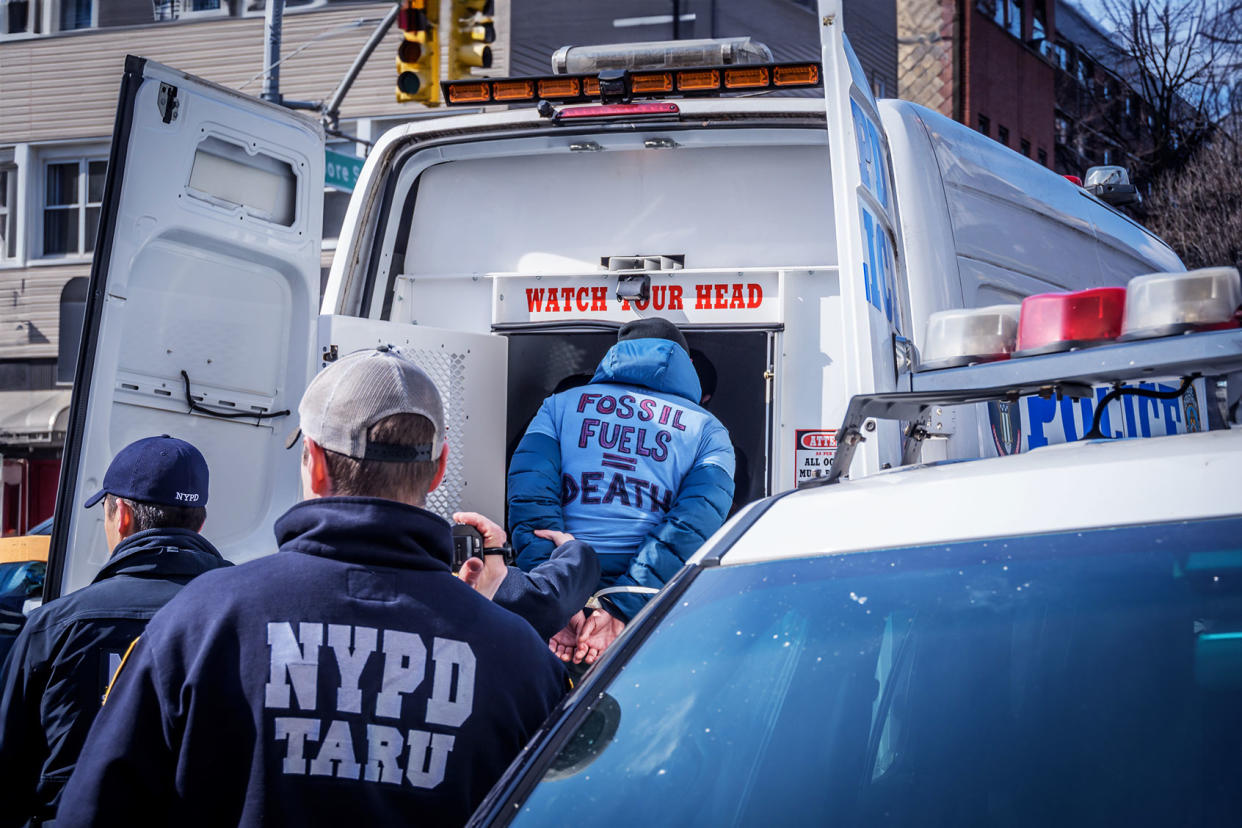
1051, 638
803, 244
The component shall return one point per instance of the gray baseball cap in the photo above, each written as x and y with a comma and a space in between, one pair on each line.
358, 390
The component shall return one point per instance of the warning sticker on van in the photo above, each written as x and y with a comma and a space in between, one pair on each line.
813, 453
701, 297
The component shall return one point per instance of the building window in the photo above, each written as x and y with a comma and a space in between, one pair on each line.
1062, 129
1061, 56
1085, 71
993, 10
1039, 27
19, 17
1002, 135
8, 212
72, 194
179, 9
878, 87
985, 125
1025, 147
1042, 155
76, 14
1013, 13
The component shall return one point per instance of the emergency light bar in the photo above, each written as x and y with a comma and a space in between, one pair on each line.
660, 54
962, 337
1060, 321
1161, 304
619, 86
1155, 305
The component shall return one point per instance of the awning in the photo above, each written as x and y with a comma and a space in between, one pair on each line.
34, 418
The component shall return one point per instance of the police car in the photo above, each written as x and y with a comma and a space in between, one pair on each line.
1053, 637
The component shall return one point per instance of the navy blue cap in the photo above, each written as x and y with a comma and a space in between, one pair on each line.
162, 470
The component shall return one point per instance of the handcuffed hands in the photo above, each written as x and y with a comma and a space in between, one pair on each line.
565, 642
597, 634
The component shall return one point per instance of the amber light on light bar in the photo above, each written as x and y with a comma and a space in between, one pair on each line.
513, 90
694, 81
468, 93
700, 79
560, 88
654, 83
806, 74
749, 77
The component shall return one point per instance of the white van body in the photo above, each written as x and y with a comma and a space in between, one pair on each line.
794, 240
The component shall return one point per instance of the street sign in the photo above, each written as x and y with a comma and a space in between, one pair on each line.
341, 171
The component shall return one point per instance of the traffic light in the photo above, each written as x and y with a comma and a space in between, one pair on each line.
473, 28
418, 56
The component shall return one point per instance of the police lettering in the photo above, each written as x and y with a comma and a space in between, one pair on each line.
342, 740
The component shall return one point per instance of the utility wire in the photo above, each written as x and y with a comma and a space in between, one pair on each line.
339, 29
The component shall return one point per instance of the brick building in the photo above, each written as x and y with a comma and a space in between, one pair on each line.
983, 63
1040, 76
1101, 117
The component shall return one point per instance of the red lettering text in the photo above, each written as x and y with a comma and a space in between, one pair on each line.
534, 300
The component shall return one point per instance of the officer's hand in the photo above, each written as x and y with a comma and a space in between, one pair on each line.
484, 576
493, 535
565, 642
599, 631
558, 538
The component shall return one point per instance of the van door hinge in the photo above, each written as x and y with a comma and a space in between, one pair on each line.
330, 353
768, 376
168, 104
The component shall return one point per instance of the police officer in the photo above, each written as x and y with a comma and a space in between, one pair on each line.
629, 463
154, 495
347, 679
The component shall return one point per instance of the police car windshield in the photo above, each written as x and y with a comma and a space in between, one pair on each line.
1080, 678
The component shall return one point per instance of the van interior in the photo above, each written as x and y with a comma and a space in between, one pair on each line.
732, 367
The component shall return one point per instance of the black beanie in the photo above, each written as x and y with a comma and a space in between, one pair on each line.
652, 328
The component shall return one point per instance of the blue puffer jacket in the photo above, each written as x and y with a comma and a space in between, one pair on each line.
629, 463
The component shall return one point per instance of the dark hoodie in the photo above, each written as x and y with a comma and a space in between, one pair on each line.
61, 663
349, 679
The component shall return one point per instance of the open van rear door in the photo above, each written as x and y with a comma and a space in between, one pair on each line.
201, 316
872, 308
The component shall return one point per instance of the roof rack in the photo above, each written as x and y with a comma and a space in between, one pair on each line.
1213, 355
